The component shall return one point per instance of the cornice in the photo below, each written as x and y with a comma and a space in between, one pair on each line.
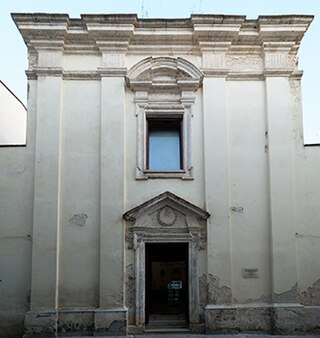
94, 30
230, 46
296, 75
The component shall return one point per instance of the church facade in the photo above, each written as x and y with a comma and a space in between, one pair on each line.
165, 184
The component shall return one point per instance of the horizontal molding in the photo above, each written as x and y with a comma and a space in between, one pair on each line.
253, 305
83, 75
209, 72
245, 76
276, 72
96, 75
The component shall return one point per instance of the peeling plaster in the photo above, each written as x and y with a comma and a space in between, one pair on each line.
72, 326
218, 294
130, 292
79, 219
312, 295
203, 293
222, 294
263, 299
117, 326
116, 300
203, 290
283, 297
287, 296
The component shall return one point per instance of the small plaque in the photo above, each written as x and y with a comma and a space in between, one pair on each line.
250, 273
175, 284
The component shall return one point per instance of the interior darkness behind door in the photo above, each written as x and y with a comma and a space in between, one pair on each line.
166, 282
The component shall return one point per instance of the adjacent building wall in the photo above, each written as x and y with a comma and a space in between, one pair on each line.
13, 118
16, 234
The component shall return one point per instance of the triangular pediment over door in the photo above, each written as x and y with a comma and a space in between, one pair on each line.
169, 216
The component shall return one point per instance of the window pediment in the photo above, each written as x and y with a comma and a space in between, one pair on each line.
162, 72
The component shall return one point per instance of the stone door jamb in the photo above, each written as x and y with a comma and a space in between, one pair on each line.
140, 239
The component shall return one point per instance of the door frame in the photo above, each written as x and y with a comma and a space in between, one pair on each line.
140, 272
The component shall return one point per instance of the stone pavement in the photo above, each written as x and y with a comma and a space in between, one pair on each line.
190, 335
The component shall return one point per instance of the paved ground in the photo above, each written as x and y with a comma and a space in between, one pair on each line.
205, 336
191, 335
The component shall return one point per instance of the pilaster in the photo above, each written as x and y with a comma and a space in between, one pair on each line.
281, 189
45, 250
217, 181
112, 189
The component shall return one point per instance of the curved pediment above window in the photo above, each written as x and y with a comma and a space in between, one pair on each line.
164, 73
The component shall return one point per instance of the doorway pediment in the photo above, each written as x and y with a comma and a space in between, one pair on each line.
168, 216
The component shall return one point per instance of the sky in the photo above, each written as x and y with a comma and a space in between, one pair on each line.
14, 52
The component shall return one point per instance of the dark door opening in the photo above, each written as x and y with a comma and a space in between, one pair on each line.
166, 283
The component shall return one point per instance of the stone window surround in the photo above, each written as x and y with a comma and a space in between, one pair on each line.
164, 88
159, 112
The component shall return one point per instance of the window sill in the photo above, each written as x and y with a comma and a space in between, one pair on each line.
146, 174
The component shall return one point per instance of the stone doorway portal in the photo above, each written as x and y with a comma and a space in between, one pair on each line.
166, 233
167, 284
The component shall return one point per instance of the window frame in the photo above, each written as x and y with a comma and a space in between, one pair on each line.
161, 112
164, 124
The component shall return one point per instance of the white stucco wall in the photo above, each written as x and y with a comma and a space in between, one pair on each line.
80, 177
248, 182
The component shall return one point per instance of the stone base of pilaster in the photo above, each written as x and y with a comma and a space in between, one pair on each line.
280, 318
40, 324
111, 322
92, 322
11, 323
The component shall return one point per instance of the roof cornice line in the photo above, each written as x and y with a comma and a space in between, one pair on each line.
96, 29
